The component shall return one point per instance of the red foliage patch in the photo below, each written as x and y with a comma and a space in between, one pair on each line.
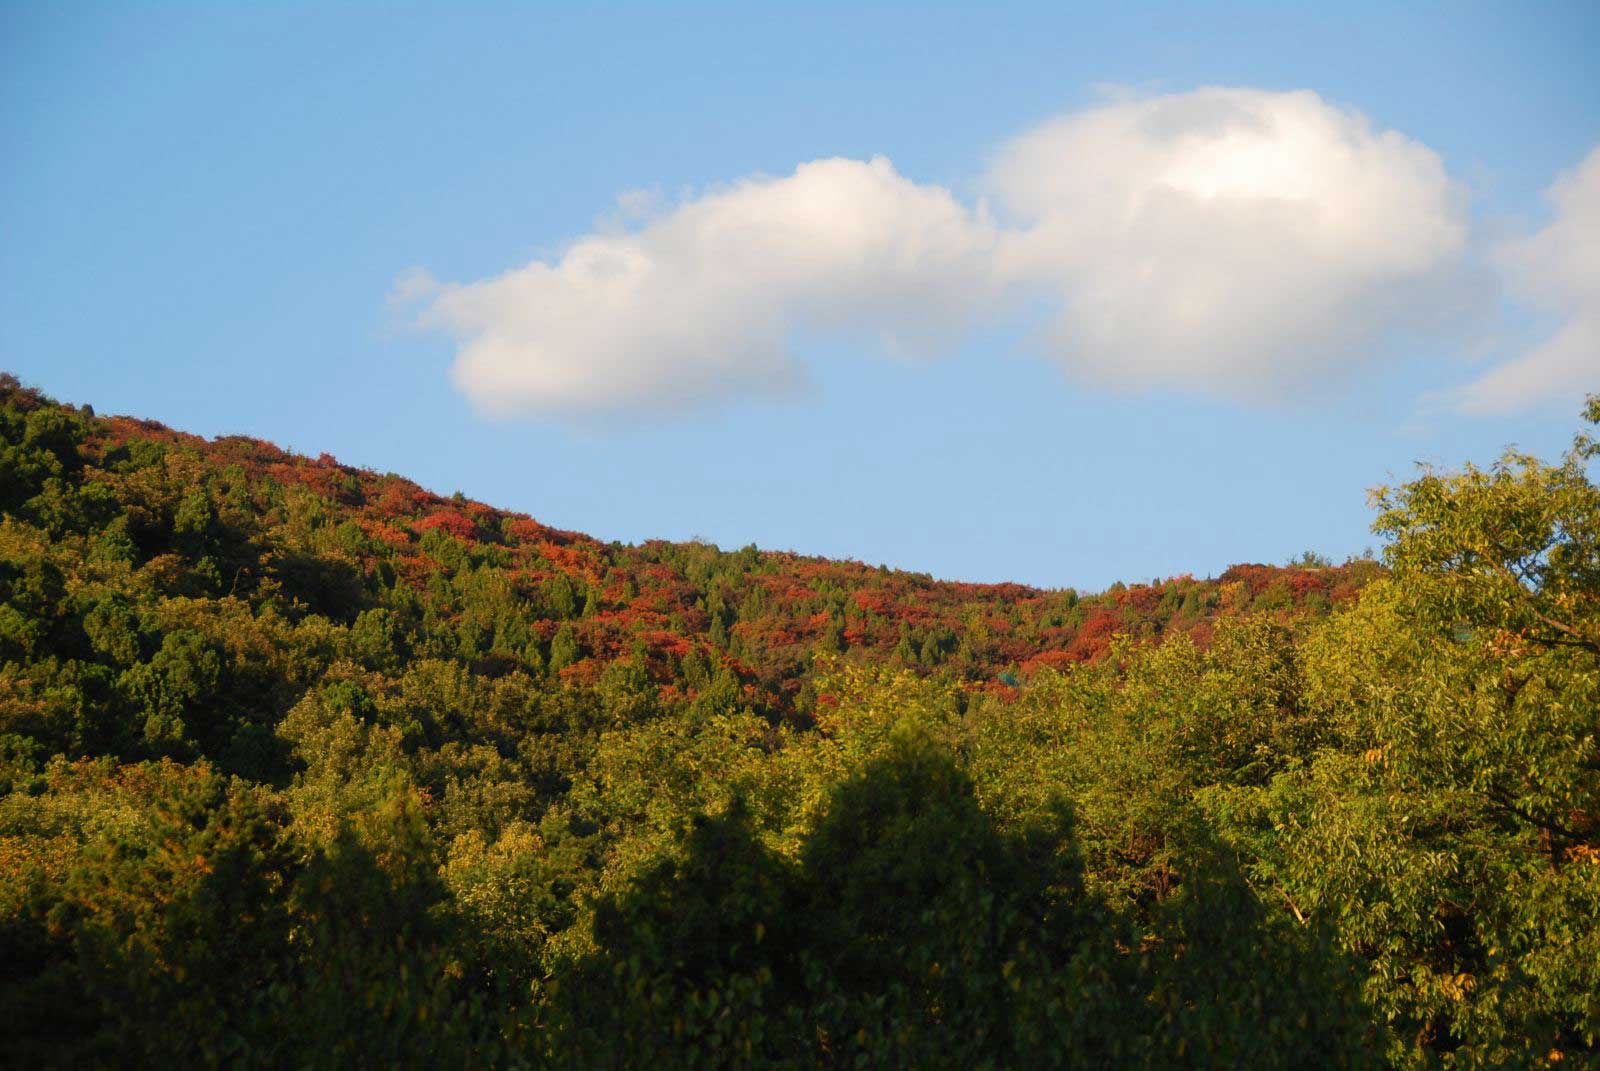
450, 522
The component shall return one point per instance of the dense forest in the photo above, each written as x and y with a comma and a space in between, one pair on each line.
304, 766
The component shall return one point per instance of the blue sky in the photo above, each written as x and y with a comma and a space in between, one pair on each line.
206, 212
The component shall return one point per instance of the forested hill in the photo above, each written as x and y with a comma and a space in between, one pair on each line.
237, 522
306, 767
141, 515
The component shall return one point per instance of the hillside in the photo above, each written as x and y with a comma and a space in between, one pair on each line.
235, 530
305, 766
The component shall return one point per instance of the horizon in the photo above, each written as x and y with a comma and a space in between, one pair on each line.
694, 540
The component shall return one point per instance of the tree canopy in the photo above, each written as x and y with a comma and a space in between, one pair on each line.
303, 766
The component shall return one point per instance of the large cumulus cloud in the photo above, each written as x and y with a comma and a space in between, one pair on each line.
1236, 242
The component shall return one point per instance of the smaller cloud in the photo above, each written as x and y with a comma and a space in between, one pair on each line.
638, 204
414, 286
699, 303
1556, 270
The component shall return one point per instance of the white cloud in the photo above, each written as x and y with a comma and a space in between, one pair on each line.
701, 302
1233, 242
1557, 269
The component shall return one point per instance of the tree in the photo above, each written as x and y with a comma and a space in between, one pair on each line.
1452, 828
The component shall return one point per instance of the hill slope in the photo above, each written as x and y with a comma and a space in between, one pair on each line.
125, 520
303, 766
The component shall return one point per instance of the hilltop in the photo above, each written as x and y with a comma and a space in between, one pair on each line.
235, 528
